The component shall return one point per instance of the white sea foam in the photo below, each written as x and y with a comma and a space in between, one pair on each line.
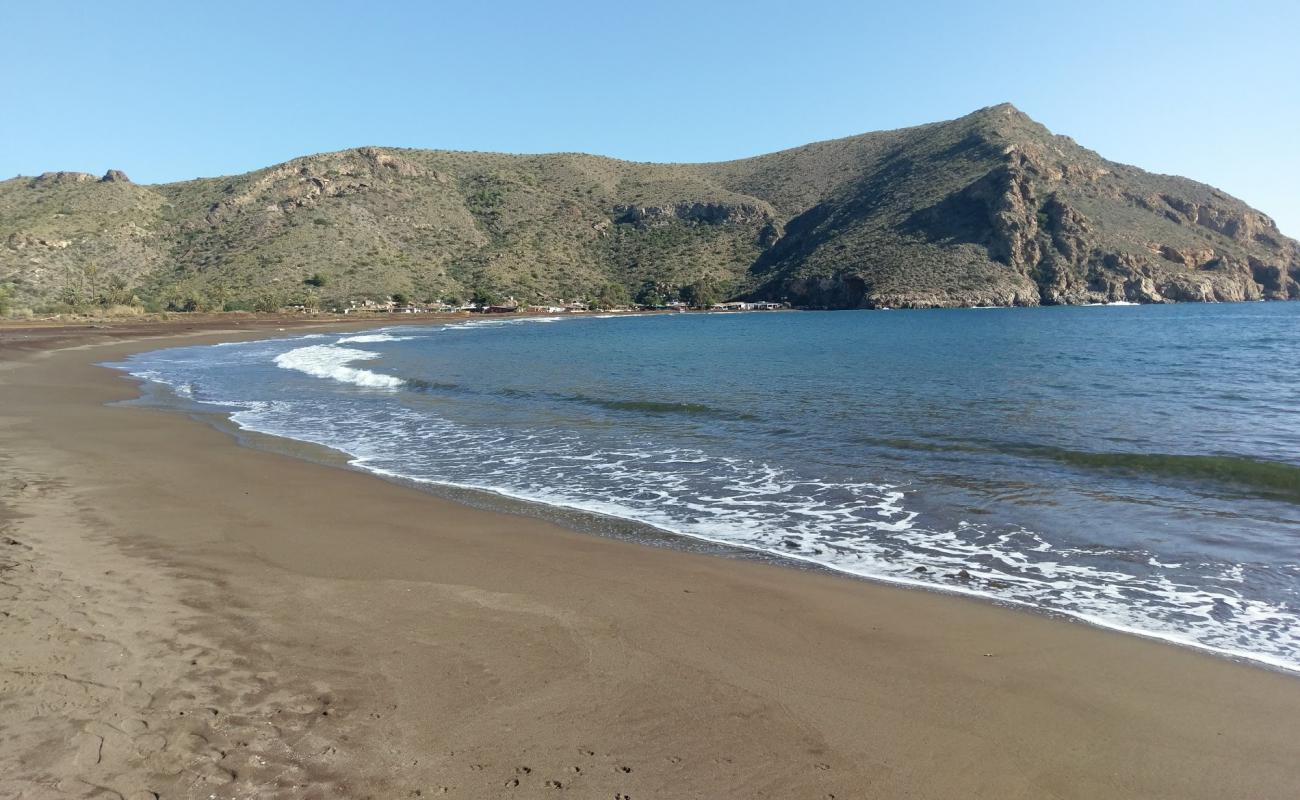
497, 322
331, 361
997, 569
181, 388
472, 324
241, 345
371, 338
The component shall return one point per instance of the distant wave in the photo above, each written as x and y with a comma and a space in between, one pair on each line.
330, 361
367, 338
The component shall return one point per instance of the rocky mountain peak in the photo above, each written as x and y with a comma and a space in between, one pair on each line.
1004, 109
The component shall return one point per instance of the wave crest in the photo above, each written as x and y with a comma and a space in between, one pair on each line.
331, 361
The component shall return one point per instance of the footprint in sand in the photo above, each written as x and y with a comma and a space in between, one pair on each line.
90, 748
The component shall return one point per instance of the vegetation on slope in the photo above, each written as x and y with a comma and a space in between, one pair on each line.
987, 209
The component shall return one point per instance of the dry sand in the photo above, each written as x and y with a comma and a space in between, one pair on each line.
184, 617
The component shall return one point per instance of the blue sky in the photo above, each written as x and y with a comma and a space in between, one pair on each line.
168, 91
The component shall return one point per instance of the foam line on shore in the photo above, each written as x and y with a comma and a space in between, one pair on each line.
1092, 619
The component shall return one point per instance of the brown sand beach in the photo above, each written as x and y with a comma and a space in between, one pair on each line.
181, 616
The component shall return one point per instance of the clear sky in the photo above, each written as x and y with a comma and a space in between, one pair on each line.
173, 90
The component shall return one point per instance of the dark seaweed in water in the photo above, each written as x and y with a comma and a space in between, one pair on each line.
1132, 466
659, 407
634, 406
1269, 479
1274, 480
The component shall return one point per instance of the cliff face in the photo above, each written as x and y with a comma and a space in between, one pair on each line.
992, 209
989, 209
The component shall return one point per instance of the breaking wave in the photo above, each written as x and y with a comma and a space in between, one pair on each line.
331, 361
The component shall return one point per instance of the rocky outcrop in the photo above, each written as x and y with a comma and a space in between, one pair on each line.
303, 183
67, 178
397, 165
1235, 224
61, 178
1275, 280
1009, 196
23, 241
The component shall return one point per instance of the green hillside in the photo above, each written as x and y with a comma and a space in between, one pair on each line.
989, 209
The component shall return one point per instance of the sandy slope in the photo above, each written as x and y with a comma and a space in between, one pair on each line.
185, 617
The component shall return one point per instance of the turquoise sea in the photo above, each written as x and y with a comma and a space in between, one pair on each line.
1136, 467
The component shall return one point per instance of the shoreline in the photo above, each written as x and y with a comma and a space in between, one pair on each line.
412, 639
579, 519
572, 518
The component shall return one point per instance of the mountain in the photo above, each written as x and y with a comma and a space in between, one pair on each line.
988, 209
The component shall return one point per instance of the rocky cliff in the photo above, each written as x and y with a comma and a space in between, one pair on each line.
992, 209
988, 209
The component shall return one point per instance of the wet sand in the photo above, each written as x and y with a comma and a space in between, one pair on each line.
185, 617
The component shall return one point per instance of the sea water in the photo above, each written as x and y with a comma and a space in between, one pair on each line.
1136, 467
